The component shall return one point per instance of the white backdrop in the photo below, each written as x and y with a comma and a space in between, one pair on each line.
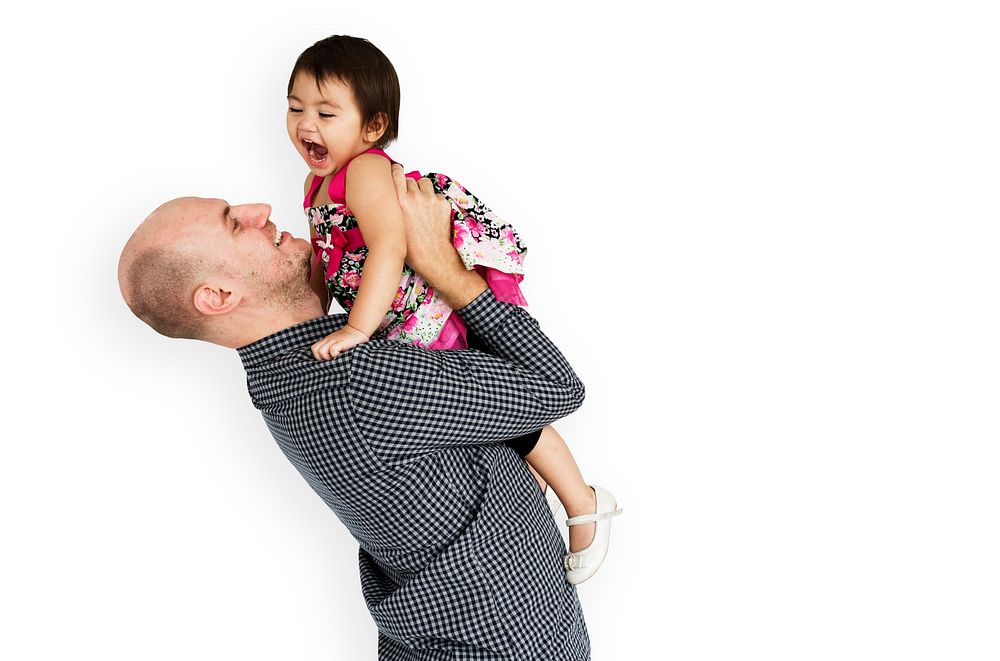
765, 234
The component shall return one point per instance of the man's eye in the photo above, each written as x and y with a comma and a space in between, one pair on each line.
326, 115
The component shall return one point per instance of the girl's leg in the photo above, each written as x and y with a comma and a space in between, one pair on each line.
552, 460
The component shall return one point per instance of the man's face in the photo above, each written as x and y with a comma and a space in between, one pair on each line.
324, 124
245, 244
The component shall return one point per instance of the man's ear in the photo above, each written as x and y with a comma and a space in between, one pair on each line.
376, 128
212, 300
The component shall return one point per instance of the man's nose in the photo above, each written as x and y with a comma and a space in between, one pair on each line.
254, 215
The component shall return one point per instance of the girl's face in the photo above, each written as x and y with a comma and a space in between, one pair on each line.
324, 124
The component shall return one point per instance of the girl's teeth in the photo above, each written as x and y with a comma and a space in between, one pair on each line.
316, 152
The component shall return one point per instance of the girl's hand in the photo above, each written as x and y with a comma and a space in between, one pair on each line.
338, 342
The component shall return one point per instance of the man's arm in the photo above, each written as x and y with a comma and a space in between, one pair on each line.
429, 248
409, 400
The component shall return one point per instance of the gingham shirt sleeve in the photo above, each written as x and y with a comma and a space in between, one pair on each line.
408, 400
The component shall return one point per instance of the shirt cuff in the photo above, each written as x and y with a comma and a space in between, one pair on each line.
485, 313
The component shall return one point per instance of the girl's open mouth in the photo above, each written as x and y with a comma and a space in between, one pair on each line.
317, 153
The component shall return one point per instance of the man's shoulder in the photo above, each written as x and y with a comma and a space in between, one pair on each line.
282, 367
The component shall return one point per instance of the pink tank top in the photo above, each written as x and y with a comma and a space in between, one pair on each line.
338, 182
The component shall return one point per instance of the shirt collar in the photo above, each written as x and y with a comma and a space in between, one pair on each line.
293, 337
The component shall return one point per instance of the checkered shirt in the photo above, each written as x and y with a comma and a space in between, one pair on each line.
459, 556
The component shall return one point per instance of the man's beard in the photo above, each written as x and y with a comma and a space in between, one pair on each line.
290, 291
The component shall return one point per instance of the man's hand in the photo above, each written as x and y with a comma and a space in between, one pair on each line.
429, 248
427, 218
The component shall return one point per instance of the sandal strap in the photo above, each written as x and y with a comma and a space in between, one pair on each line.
590, 518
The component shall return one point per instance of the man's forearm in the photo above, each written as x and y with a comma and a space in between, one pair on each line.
520, 383
508, 332
429, 248
443, 269
460, 288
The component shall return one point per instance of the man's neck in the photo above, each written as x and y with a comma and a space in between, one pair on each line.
254, 325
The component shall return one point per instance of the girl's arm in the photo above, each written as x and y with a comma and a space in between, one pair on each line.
371, 196
317, 279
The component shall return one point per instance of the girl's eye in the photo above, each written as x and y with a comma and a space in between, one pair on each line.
295, 110
326, 115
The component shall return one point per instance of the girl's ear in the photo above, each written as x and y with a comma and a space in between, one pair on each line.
376, 127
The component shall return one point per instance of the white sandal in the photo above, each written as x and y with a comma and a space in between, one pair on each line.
583, 564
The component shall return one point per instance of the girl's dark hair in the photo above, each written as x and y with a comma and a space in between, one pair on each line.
365, 69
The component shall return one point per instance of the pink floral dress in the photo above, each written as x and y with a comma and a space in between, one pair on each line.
417, 315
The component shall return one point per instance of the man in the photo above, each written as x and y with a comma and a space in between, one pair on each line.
460, 558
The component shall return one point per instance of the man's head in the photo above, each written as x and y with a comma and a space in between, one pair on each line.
202, 269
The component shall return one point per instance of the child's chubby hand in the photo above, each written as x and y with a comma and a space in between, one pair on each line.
338, 342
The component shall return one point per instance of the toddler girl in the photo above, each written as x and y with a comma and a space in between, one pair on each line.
343, 107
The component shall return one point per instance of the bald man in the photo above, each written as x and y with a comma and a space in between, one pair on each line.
459, 555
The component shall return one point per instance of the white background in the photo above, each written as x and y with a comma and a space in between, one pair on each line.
765, 234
